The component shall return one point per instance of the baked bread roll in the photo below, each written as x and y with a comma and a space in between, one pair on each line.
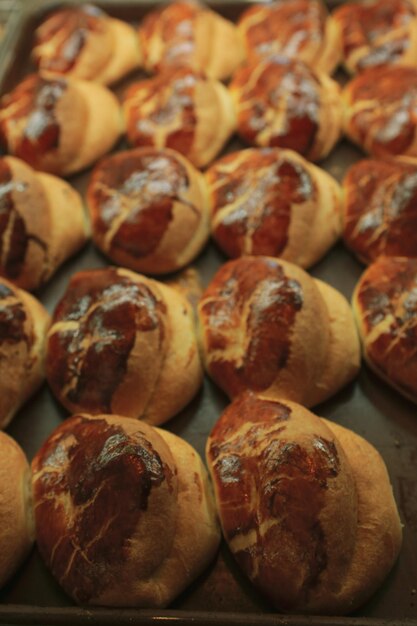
17, 529
180, 110
380, 111
306, 506
186, 34
83, 42
42, 223
283, 103
380, 208
268, 201
124, 512
377, 33
149, 210
59, 125
385, 307
300, 29
125, 344
23, 326
267, 326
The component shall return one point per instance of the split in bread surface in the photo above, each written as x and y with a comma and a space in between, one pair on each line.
84, 42
377, 33
301, 29
380, 208
42, 223
283, 103
266, 325
17, 528
306, 506
123, 343
182, 110
271, 201
149, 209
56, 124
385, 308
124, 512
190, 35
24, 323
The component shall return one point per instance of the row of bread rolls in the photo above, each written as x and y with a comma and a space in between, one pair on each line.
85, 42
152, 211
274, 451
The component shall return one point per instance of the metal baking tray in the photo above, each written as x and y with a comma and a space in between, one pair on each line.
221, 595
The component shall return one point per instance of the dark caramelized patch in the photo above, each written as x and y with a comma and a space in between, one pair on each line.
381, 209
283, 27
32, 104
107, 477
67, 30
262, 187
12, 317
142, 186
253, 296
281, 87
271, 491
163, 104
386, 121
90, 358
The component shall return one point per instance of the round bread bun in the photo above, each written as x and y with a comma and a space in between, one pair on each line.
380, 208
187, 34
125, 344
281, 102
43, 223
180, 110
83, 42
23, 326
385, 307
267, 326
124, 512
306, 506
271, 201
56, 124
17, 528
380, 111
377, 33
149, 210
300, 29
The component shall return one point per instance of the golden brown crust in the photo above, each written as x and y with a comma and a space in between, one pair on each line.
385, 307
180, 110
379, 114
56, 125
130, 519
84, 42
125, 344
380, 208
273, 202
267, 326
306, 506
16, 513
23, 326
149, 210
42, 223
377, 33
283, 103
184, 34
299, 29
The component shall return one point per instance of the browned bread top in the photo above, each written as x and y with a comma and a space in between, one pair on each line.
282, 102
305, 505
299, 29
377, 33
385, 305
380, 208
122, 343
124, 513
